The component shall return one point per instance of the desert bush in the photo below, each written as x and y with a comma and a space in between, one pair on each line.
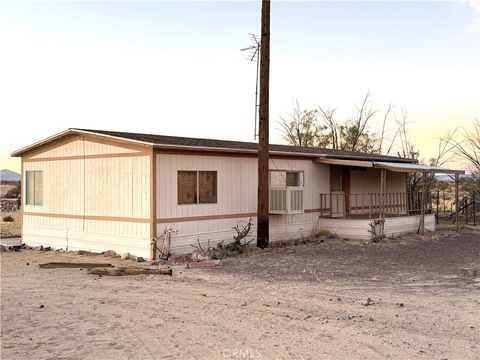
14, 192
322, 232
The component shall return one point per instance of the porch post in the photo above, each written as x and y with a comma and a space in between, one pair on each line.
457, 208
330, 203
383, 182
422, 204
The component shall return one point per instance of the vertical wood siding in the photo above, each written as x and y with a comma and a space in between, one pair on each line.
236, 194
117, 187
368, 181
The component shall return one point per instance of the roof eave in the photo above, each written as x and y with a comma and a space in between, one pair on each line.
64, 133
367, 158
231, 150
37, 144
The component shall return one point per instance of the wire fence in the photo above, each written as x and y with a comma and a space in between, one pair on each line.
446, 209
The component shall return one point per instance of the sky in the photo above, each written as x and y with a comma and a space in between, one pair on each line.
175, 68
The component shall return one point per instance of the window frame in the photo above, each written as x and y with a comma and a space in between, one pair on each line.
197, 187
300, 177
37, 192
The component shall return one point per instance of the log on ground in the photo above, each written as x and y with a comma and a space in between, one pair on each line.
129, 271
82, 265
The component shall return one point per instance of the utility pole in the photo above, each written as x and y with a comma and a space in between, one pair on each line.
262, 206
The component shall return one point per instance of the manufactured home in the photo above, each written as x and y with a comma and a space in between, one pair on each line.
104, 190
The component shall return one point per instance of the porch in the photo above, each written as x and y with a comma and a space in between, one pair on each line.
363, 204
372, 205
375, 215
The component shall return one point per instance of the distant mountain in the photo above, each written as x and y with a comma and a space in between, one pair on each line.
449, 178
8, 175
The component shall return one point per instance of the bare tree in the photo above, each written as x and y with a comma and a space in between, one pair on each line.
331, 136
301, 128
382, 134
356, 136
353, 134
466, 144
320, 128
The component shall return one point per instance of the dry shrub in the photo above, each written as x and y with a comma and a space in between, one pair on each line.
322, 232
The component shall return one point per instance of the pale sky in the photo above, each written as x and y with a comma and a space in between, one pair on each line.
175, 68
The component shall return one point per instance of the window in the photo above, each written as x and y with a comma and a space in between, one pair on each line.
34, 188
207, 187
283, 178
293, 179
197, 187
187, 187
286, 192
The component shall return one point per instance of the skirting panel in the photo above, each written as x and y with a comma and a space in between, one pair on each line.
359, 228
81, 240
190, 234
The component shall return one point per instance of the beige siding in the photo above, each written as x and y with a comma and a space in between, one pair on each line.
359, 228
407, 224
71, 146
236, 194
78, 145
346, 228
368, 181
63, 184
88, 202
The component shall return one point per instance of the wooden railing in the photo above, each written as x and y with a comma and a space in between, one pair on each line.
339, 204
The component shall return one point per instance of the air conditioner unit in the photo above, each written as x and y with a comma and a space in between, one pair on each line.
286, 200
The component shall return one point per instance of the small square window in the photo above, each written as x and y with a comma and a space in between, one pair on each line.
293, 179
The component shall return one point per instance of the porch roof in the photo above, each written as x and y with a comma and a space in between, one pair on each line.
401, 167
392, 166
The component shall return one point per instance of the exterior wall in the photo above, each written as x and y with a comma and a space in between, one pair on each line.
236, 199
96, 196
359, 228
368, 181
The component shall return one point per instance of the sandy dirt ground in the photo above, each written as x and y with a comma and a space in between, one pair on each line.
11, 228
4, 188
297, 302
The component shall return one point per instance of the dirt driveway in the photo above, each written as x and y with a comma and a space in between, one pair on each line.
403, 299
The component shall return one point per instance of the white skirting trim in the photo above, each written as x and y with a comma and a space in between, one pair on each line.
359, 228
79, 240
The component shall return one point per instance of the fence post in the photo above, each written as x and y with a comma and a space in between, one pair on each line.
456, 201
330, 204
443, 197
321, 205
438, 203
465, 206
370, 206
474, 209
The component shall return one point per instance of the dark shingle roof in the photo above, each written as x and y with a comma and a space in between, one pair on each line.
159, 140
